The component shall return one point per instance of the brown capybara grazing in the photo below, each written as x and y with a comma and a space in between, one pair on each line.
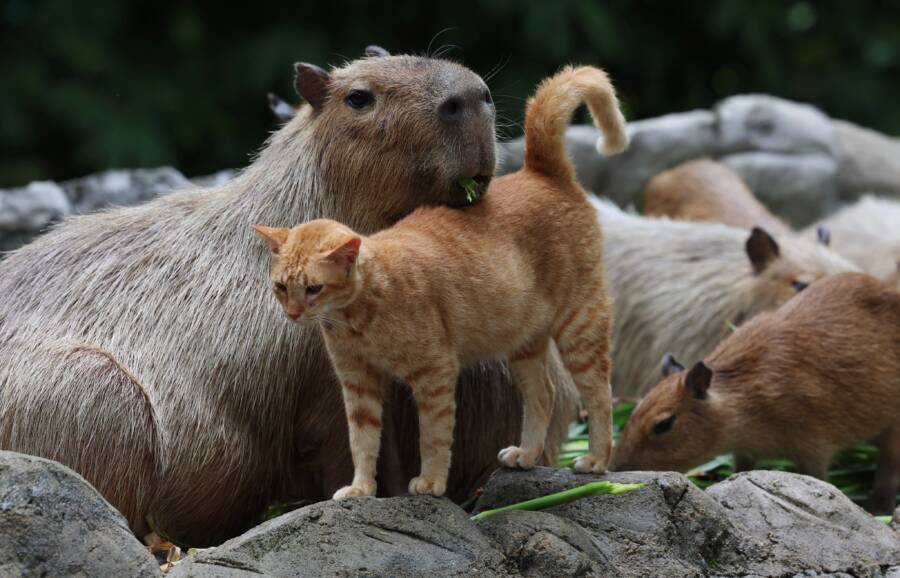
140, 346
706, 190
679, 286
803, 382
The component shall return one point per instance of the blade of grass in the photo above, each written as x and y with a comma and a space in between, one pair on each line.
564, 497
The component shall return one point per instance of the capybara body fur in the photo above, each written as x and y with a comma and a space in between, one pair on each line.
140, 346
706, 190
679, 286
803, 382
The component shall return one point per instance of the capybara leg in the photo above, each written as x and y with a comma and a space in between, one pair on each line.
743, 463
529, 366
76, 403
887, 478
814, 465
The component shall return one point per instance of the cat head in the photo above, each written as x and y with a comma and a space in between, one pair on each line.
314, 268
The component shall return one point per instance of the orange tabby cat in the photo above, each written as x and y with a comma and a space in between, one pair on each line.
448, 287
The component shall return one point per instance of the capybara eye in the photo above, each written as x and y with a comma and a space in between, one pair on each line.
359, 99
280, 287
799, 286
313, 289
663, 426
487, 97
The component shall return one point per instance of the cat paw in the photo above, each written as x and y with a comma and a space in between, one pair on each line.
588, 464
516, 457
353, 492
423, 485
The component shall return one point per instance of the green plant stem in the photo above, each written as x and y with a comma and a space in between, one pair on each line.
564, 497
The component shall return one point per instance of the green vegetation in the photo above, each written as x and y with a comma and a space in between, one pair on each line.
564, 497
852, 471
104, 84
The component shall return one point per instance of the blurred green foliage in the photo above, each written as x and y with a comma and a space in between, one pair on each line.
93, 85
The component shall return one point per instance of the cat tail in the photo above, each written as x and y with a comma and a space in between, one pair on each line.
550, 110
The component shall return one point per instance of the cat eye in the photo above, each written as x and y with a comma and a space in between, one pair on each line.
799, 286
280, 287
664, 425
313, 289
359, 99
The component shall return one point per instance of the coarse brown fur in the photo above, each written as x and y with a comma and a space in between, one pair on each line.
139, 346
706, 190
445, 288
811, 378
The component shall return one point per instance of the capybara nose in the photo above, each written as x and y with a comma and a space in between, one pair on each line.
473, 101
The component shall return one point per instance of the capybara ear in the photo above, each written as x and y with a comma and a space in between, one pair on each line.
311, 83
670, 365
761, 249
274, 237
372, 50
347, 252
824, 235
698, 380
283, 111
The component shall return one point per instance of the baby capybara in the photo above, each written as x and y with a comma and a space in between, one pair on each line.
820, 373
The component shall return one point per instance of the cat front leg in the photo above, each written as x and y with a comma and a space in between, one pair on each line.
529, 366
434, 388
363, 392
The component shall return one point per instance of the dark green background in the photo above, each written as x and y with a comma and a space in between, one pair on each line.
106, 83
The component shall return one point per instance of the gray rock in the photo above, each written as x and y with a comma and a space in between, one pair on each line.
53, 523
419, 536
799, 188
122, 188
870, 162
542, 544
668, 528
806, 525
31, 209
758, 122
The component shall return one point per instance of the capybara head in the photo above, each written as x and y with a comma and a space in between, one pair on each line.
785, 267
675, 427
313, 268
417, 125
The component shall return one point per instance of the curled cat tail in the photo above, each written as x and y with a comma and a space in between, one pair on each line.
550, 110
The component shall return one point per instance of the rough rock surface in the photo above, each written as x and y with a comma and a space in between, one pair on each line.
418, 536
53, 523
753, 524
122, 188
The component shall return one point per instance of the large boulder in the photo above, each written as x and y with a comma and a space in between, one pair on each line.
27, 211
419, 536
53, 523
122, 188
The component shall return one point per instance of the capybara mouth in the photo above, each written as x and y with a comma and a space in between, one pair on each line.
469, 190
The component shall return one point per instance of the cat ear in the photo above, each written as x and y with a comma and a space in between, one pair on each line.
283, 111
311, 83
273, 236
347, 252
761, 249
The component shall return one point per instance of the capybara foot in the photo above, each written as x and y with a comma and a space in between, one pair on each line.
354, 491
516, 457
588, 464
424, 485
